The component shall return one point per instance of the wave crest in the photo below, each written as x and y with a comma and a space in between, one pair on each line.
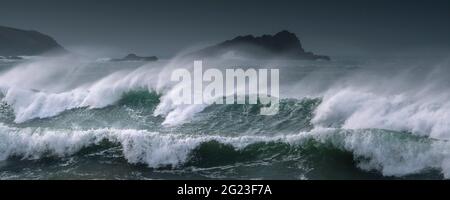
392, 153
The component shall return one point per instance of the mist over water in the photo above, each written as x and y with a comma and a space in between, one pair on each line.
71, 116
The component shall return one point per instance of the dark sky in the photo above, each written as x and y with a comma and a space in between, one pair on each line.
163, 27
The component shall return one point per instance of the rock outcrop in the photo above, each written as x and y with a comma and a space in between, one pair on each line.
134, 57
283, 45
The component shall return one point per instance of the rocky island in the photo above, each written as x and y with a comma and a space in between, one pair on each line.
281, 45
134, 57
16, 42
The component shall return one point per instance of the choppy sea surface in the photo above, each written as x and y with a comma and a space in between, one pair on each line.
78, 118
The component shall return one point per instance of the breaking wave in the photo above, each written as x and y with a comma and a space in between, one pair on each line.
391, 153
391, 121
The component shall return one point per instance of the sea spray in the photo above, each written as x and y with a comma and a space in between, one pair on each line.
336, 120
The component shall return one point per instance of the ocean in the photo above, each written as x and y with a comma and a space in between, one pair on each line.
72, 117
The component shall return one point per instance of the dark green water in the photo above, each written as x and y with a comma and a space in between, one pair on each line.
125, 141
82, 119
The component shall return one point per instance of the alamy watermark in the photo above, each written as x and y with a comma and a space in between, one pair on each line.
251, 86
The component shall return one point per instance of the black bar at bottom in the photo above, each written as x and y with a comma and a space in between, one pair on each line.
189, 189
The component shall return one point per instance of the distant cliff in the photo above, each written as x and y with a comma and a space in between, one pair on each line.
16, 42
283, 45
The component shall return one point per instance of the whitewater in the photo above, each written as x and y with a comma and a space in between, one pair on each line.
73, 117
